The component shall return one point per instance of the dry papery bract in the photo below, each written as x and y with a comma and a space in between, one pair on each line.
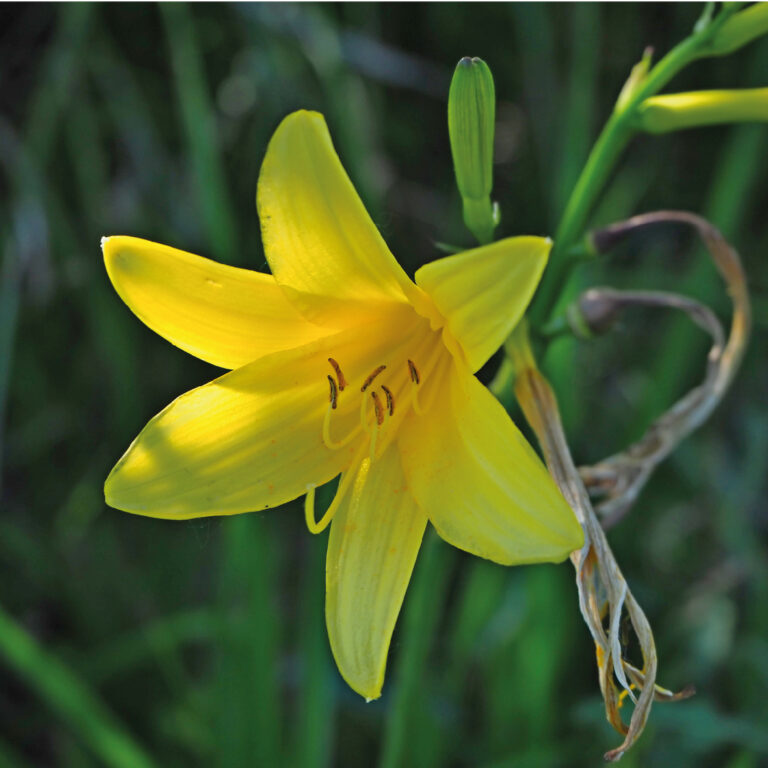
605, 599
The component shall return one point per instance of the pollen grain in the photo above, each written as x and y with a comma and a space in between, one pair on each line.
371, 377
378, 408
339, 375
334, 394
390, 399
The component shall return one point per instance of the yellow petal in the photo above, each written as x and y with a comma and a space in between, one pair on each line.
319, 240
483, 293
375, 537
221, 314
252, 438
481, 484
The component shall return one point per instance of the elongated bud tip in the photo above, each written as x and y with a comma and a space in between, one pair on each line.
678, 111
471, 118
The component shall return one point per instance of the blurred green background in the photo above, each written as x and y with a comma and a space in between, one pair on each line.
133, 642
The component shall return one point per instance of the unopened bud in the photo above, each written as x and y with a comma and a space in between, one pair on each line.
471, 118
675, 112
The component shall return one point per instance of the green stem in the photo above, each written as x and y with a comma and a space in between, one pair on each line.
613, 140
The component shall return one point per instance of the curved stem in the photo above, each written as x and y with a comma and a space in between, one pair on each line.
613, 140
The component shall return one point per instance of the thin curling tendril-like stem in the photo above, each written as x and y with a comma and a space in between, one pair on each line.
621, 477
597, 572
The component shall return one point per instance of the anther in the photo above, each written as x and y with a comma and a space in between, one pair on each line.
334, 394
390, 399
367, 382
414, 371
378, 408
339, 374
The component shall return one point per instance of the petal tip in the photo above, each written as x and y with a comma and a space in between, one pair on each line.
302, 117
371, 692
110, 248
364, 684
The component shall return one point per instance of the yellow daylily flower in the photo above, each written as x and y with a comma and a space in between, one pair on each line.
342, 366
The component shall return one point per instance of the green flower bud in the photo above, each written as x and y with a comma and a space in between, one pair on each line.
674, 112
742, 28
471, 118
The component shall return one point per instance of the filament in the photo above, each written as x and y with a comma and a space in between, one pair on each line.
372, 451
415, 400
334, 445
317, 526
364, 415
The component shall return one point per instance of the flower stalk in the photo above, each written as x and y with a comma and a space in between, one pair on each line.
740, 29
619, 130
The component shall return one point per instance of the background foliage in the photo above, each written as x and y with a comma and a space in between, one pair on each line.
133, 642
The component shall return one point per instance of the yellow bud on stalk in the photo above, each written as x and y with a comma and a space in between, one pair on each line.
471, 118
675, 112
742, 28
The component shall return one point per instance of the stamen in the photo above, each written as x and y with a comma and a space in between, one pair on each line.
317, 526
328, 440
415, 401
416, 379
339, 374
368, 381
363, 415
378, 408
332, 382
390, 399
372, 452
309, 509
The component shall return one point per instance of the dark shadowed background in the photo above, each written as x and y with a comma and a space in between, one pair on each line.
127, 641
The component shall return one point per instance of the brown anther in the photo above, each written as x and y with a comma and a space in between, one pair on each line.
333, 397
378, 408
390, 399
367, 382
414, 372
339, 374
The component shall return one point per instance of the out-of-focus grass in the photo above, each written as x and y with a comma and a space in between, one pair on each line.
203, 643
